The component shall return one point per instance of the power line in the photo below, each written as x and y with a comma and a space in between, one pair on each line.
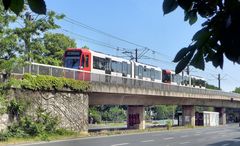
158, 60
94, 41
145, 49
75, 22
78, 23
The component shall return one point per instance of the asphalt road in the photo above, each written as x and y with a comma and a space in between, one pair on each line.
228, 135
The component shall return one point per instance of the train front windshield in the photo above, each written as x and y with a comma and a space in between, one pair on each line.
166, 78
72, 59
72, 62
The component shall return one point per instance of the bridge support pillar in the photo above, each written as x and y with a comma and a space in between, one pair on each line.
135, 117
188, 115
222, 115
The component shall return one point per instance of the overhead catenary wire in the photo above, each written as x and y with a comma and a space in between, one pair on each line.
88, 39
78, 23
75, 22
83, 25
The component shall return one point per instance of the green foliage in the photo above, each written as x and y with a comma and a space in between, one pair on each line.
31, 41
163, 111
115, 114
3, 136
169, 6
237, 90
43, 82
37, 6
219, 35
169, 124
203, 108
209, 86
94, 115
107, 113
3, 104
55, 45
86, 47
31, 126
16, 108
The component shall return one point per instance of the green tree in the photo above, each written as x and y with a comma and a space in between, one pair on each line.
163, 111
17, 6
203, 108
116, 114
30, 35
219, 36
237, 90
8, 42
209, 86
28, 39
55, 44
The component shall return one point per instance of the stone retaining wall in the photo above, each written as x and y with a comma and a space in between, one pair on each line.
71, 107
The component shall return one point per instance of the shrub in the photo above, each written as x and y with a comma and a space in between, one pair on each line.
41, 125
169, 125
3, 136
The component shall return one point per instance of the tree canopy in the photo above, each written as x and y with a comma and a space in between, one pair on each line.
219, 36
237, 90
28, 38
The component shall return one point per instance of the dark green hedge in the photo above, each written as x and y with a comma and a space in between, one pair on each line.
44, 82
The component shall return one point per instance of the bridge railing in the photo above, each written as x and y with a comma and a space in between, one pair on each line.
42, 69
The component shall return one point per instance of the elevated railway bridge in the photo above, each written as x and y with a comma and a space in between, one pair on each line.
112, 90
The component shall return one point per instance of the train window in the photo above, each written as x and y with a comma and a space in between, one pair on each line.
87, 60
166, 76
114, 66
135, 70
140, 71
119, 67
99, 63
146, 72
72, 62
125, 68
157, 75
152, 73
129, 69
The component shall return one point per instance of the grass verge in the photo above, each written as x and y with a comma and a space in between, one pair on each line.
74, 135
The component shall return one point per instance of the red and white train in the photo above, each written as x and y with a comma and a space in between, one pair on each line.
99, 63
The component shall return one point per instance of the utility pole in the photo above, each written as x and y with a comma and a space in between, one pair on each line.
136, 55
219, 81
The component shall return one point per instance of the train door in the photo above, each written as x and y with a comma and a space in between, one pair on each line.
85, 65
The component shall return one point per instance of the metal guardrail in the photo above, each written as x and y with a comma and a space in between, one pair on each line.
42, 69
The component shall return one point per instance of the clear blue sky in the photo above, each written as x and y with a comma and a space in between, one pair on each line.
141, 22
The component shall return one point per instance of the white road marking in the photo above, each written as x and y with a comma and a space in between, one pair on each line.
158, 135
185, 142
197, 134
148, 140
168, 138
226, 144
120, 144
185, 136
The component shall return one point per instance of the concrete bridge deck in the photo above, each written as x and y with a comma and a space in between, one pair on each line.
136, 94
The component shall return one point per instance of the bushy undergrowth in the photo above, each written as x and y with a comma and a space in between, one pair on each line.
41, 125
44, 82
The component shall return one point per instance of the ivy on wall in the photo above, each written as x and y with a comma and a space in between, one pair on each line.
44, 82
